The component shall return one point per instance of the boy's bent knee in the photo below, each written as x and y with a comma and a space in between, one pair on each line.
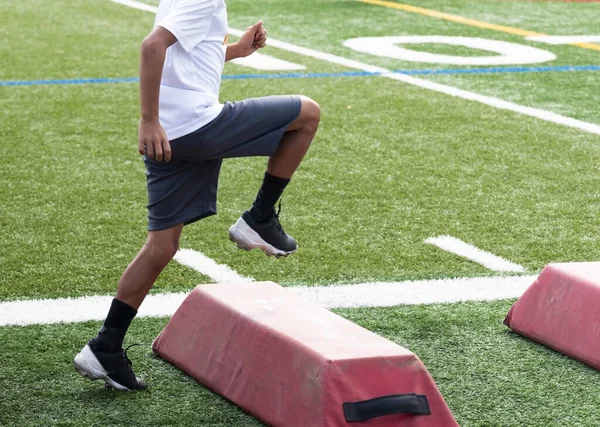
310, 114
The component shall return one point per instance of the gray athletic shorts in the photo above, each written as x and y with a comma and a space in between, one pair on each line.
184, 190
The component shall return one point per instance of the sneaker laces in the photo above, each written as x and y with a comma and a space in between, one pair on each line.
276, 219
124, 354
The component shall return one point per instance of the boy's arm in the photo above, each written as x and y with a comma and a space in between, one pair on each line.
152, 138
253, 39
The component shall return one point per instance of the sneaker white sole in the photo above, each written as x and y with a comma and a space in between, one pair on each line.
88, 365
248, 239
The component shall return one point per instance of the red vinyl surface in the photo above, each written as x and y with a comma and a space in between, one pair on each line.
561, 310
290, 362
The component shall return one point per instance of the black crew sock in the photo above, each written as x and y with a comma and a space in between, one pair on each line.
112, 334
270, 191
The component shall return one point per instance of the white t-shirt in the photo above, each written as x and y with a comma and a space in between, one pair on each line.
189, 89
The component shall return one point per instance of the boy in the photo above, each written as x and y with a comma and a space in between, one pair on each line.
184, 135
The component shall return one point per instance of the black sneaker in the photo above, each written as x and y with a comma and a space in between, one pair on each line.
268, 236
112, 367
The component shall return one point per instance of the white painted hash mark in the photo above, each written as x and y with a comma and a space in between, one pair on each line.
488, 260
258, 61
426, 84
220, 273
73, 310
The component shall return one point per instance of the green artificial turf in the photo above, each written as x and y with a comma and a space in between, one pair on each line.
487, 375
392, 165
386, 171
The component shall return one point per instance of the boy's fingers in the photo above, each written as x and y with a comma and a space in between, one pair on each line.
256, 27
166, 150
158, 153
150, 150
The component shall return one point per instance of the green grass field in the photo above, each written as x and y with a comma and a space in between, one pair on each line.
393, 164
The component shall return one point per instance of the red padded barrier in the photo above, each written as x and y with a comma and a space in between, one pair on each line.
561, 310
290, 362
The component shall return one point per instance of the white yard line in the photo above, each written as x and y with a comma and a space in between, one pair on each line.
426, 84
556, 40
136, 5
472, 253
416, 292
220, 273
73, 310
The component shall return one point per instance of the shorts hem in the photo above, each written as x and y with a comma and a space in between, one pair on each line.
185, 218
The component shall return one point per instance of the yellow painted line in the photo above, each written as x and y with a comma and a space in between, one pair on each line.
467, 21
587, 45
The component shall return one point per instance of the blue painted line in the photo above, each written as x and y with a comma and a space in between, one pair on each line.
68, 82
562, 68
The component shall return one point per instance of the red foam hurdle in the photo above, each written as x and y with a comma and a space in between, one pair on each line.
292, 363
561, 310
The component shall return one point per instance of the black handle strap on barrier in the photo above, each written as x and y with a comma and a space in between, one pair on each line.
415, 404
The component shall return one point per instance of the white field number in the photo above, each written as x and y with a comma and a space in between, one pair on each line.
507, 53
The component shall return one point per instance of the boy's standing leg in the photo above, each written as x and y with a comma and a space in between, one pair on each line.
103, 357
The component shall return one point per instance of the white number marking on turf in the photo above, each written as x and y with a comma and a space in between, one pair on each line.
558, 40
72, 310
258, 61
220, 273
509, 53
426, 84
470, 252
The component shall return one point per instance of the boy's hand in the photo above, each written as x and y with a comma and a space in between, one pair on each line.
253, 39
153, 141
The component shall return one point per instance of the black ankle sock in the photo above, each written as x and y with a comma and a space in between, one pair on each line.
112, 334
270, 191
